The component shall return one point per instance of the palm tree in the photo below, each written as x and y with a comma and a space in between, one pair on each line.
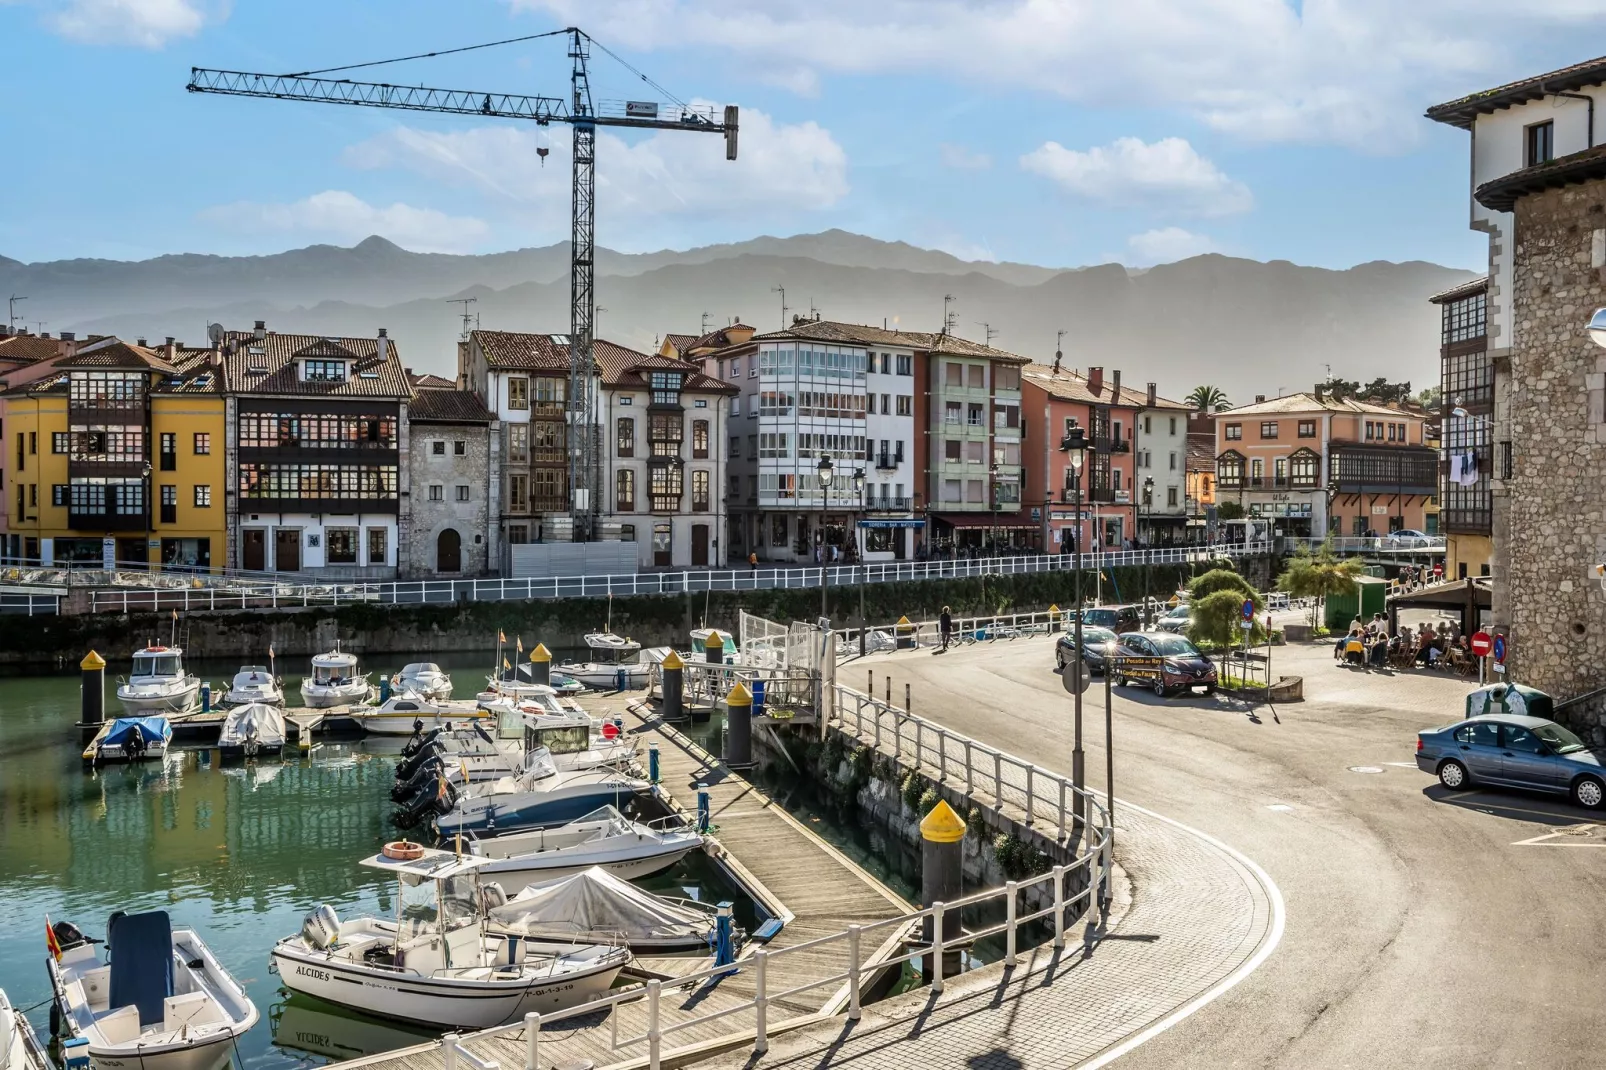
1208, 398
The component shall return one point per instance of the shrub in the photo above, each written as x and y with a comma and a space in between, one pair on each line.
914, 786
1218, 618
1222, 579
928, 799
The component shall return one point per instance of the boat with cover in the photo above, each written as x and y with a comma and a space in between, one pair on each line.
424, 679
251, 730
616, 664
439, 961
605, 837
335, 681
158, 683
405, 715
160, 1001
595, 903
471, 753
254, 683
699, 644
130, 739
539, 795
19, 1047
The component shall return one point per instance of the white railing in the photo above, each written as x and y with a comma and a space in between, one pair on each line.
1366, 544
29, 603
291, 592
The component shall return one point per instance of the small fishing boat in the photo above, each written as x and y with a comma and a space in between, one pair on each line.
252, 730
161, 1001
158, 683
405, 715
471, 753
540, 795
564, 684
130, 739
254, 683
335, 681
424, 679
19, 1047
616, 664
605, 837
594, 902
440, 961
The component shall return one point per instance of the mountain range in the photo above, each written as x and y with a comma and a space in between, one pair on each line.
1247, 326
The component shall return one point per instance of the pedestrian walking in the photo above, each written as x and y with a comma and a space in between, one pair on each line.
945, 625
752, 560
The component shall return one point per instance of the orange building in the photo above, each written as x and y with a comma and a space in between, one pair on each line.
1054, 400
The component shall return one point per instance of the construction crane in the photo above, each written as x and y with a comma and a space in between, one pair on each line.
584, 118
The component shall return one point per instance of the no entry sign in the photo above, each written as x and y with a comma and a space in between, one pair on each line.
1481, 644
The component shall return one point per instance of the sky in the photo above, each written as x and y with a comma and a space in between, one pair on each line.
1055, 132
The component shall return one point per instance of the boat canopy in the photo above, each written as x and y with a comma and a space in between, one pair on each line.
595, 901
149, 729
163, 662
417, 668
255, 720
335, 660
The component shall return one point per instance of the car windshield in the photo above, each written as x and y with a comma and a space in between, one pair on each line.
1558, 739
1174, 646
1096, 636
1178, 611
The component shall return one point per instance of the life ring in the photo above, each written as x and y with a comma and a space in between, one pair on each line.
403, 851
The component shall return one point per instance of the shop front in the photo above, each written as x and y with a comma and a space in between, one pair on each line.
981, 534
889, 539
1289, 518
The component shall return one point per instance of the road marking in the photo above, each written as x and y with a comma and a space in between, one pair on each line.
1402, 765
1366, 769
1489, 808
1575, 830
1281, 808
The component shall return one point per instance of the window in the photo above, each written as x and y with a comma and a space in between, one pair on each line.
627, 436
736, 406
518, 393
307, 431
518, 534
975, 490
518, 493
518, 443
952, 450
735, 451
665, 431
437, 448
59, 441
1279, 472
624, 491
58, 494
906, 405
1235, 431
437, 493
952, 412
1307, 429
976, 377
1257, 472
699, 440
1463, 320
1479, 734
974, 452
319, 481
953, 374
1539, 143
33, 495
323, 371
1006, 378
667, 486
203, 495
1229, 470
627, 400
950, 490
976, 416
462, 492
627, 533
1303, 468
459, 448
1173, 461
906, 364
33, 443
1268, 429
666, 387
342, 546
1173, 426
1146, 428
378, 543
169, 451
1171, 497
546, 488
699, 491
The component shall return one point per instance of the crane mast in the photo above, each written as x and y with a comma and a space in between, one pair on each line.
583, 117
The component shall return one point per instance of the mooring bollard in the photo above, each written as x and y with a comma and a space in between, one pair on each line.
92, 700
674, 686
714, 648
704, 809
942, 842
384, 689
541, 665
904, 633
724, 938
652, 763
739, 727
206, 698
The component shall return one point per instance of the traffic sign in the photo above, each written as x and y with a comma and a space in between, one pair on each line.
1249, 610
1481, 644
1438, 568
1499, 649
1075, 678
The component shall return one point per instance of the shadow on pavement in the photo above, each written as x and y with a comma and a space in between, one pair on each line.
1533, 807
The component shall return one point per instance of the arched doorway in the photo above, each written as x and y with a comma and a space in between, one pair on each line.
449, 551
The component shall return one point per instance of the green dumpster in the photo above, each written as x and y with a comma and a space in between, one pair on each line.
1367, 598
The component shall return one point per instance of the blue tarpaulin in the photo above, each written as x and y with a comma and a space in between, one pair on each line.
141, 950
150, 729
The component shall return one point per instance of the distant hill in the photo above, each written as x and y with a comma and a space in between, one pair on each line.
1246, 326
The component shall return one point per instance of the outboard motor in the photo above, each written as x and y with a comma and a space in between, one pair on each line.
428, 802
321, 927
134, 745
408, 766
424, 775
492, 895
419, 739
69, 935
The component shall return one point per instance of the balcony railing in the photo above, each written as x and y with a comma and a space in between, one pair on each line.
875, 504
887, 461
104, 521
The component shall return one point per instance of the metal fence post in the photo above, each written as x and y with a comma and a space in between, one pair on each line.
1009, 907
1029, 770
1062, 808
1059, 908
937, 910
998, 779
532, 1041
920, 750
942, 755
654, 1036
449, 1051
761, 1040
853, 973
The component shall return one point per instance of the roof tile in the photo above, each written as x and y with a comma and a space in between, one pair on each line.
267, 365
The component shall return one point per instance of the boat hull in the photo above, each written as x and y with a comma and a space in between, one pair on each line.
516, 874
241, 750
139, 703
323, 698
402, 724
516, 810
598, 677
210, 1054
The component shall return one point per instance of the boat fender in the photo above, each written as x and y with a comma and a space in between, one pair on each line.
403, 850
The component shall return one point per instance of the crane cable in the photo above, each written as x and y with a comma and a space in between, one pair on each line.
431, 55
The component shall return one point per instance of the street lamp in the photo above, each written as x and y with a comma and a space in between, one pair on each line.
825, 472
858, 545
1147, 504
1597, 327
145, 470
1075, 446
1332, 492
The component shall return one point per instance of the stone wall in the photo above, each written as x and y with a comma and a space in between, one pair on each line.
428, 518
1556, 528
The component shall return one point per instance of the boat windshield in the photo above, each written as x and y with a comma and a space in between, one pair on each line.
613, 821
156, 665
567, 740
427, 906
331, 674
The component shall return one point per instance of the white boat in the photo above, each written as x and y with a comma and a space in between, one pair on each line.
251, 730
161, 1002
254, 683
130, 739
439, 962
406, 715
616, 664
158, 683
540, 795
335, 681
19, 1047
595, 903
423, 678
605, 837
699, 644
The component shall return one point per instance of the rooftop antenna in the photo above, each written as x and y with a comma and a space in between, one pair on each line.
988, 334
814, 311
465, 302
39, 326
596, 318
949, 319
784, 310
13, 309
706, 318
1059, 354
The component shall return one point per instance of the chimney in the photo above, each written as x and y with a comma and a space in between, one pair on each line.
1154, 394
5, 330
1259, 398
69, 336
384, 344
1115, 385
1058, 356
140, 342
169, 340
44, 334
1319, 392
1095, 379
261, 330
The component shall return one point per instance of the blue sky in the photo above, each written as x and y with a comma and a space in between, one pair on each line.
1059, 132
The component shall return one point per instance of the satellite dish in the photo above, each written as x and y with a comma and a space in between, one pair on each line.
214, 334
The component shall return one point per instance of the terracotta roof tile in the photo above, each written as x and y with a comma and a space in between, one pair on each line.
518, 351
437, 406
1501, 194
1465, 110
621, 368
28, 348
116, 353
1072, 386
1307, 402
430, 382
1461, 289
865, 335
680, 343
268, 366
720, 338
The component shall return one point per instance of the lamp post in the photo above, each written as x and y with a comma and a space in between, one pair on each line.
1146, 504
145, 470
825, 472
1075, 446
1332, 492
858, 538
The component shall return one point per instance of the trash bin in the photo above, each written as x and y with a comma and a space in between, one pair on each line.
758, 698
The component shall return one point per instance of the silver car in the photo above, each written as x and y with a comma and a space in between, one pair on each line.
1512, 751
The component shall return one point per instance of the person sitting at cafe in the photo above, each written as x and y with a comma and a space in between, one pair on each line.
1379, 652
1343, 642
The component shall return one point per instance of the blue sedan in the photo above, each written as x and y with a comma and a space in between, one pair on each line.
1516, 752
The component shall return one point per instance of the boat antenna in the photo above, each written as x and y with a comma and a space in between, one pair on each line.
706, 596
174, 631
610, 612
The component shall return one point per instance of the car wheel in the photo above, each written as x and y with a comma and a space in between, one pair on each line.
1059, 661
1453, 775
1589, 792
1159, 688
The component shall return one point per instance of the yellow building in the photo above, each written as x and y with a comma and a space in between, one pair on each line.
116, 452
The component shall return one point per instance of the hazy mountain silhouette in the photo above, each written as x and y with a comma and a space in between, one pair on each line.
1247, 326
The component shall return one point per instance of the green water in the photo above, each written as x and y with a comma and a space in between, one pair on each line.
240, 853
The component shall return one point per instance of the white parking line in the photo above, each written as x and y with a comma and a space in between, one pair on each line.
1575, 830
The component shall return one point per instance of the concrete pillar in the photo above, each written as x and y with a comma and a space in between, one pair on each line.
541, 665
92, 695
714, 649
739, 727
674, 687
942, 844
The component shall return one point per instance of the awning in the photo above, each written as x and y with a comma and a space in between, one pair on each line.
892, 523
999, 521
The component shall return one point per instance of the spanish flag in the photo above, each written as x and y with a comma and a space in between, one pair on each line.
518, 645
50, 939
501, 637
440, 793
505, 664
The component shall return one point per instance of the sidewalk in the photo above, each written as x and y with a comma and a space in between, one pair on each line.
1198, 914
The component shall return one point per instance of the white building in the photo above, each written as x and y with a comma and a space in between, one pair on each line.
1161, 444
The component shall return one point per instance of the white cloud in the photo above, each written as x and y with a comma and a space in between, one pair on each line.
341, 217
1167, 244
962, 159
1167, 175
1356, 72
780, 169
145, 23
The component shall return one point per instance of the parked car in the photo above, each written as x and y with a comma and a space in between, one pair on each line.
1164, 662
1508, 750
1118, 619
1175, 619
1095, 644
1408, 539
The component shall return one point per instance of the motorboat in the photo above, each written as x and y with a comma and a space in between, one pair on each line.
594, 902
19, 1047
405, 715
161, 1001
699, 644
252, 730
254, 683
605, 837
472, 753
335, 681
616, 664
424, 679
130, 739
158, 683
440, 961
539, 795
565, 684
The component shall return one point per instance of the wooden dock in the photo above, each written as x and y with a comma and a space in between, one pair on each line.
797, 877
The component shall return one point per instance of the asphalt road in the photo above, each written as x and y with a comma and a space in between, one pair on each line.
1421, 930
